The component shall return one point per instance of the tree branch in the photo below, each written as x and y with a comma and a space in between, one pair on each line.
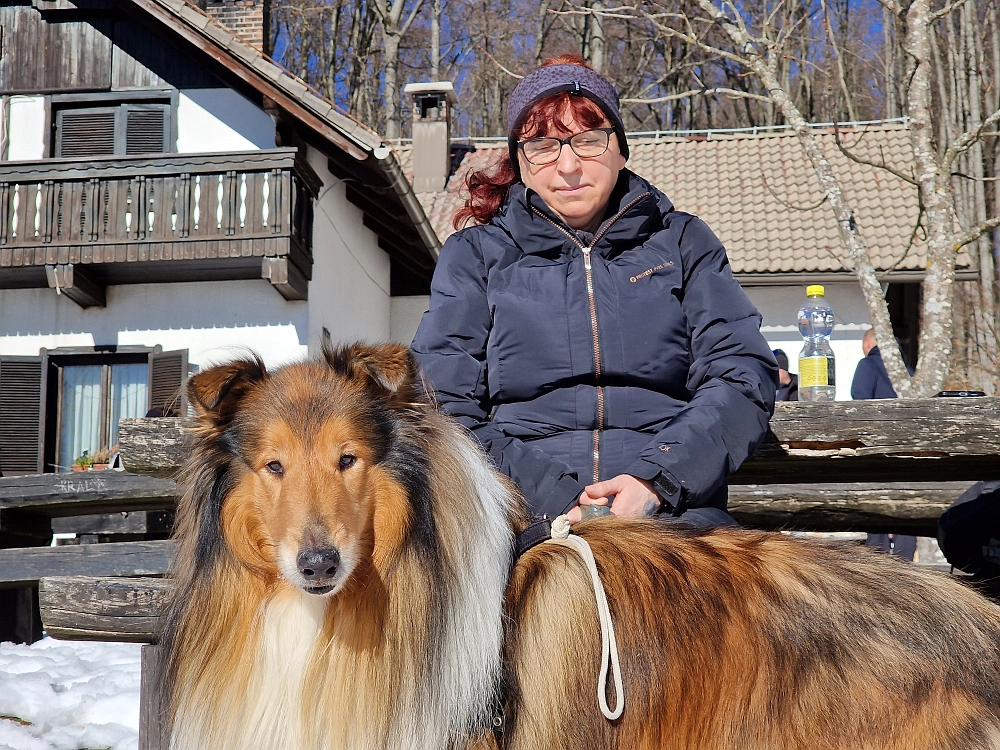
859, 160
496, 62
731, 93
789, 205
946, 10
966, 140
909, 243
976, 232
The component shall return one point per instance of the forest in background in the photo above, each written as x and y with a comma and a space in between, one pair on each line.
679, 65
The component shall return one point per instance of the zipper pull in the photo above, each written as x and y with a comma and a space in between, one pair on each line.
586, 257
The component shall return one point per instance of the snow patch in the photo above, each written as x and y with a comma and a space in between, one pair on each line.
72, 694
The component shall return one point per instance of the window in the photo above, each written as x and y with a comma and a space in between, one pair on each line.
112, 129
57, 406
92, 398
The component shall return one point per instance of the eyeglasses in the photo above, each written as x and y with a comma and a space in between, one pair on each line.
586, 145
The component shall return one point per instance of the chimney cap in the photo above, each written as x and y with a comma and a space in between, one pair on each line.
433, 87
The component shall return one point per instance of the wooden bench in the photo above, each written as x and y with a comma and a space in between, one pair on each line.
877, 466
135, 512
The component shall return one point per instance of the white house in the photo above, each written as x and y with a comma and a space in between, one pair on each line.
168, 195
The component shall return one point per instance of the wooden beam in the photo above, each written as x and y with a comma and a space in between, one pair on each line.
86, 493
137, 522
290, 282
76, 284
153, 730
884, 508
83, 608
890, 440
23, 566
893, 440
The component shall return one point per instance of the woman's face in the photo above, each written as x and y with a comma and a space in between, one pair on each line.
575, 188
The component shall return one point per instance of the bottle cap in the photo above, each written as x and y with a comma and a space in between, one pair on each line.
815, 290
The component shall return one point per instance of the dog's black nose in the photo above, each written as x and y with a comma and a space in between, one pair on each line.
318, 564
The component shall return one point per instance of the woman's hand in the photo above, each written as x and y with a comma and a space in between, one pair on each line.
634, 498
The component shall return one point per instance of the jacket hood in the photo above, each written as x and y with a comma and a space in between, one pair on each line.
636, 210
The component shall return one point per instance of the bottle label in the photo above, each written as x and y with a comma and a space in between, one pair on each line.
814, 371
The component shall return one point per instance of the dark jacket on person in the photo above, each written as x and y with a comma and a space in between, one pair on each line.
650, 363
870, 378
788, 391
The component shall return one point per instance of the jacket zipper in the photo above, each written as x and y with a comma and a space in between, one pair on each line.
593, 315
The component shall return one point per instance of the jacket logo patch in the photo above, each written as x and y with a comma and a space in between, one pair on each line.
650, 271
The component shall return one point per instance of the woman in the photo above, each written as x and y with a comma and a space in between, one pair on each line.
591, 337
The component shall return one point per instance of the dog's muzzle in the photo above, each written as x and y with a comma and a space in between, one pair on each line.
318, 566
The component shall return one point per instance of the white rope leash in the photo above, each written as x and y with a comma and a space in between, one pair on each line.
609, 644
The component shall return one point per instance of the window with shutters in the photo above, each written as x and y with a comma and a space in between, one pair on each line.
66, 403
21, 388
111, 129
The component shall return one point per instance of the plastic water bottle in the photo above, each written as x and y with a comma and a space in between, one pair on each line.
817, 380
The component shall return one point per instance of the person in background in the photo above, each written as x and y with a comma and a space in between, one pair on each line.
788, 384
872, 381
870, 378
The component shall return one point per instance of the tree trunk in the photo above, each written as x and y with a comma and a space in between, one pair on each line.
938, 201
849, 232
595, 37
390, 46
436, 40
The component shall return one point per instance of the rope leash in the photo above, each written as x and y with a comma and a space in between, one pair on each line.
609, 644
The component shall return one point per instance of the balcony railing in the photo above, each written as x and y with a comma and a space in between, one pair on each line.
157, 209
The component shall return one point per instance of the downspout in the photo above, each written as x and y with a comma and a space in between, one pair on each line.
401, 186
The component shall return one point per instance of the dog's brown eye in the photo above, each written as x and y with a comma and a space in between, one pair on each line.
347, 461
275, 468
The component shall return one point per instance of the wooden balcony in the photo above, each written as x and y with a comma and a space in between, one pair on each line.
78, 226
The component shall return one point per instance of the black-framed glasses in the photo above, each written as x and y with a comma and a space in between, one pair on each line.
586, 145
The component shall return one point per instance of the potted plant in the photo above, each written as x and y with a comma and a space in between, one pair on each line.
100, 459
83, 463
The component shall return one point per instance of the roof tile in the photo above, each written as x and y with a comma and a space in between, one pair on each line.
761, 195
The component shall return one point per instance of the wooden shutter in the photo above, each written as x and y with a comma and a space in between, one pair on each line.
85, 132
146, 128
167, 382
21, 415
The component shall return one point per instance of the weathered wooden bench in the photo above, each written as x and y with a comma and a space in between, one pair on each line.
134, 512
877, 466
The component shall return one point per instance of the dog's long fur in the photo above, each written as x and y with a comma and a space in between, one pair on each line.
728, 639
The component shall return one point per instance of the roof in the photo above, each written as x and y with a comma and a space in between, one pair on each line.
761, 196
359, 153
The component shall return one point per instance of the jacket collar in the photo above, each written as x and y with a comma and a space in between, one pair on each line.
536, 229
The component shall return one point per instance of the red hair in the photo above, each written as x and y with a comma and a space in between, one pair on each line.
489, 187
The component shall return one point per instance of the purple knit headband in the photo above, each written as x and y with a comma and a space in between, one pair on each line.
555, 79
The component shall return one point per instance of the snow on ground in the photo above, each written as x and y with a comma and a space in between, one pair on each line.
69, 695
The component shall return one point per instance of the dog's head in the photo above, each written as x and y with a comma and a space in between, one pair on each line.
306, 461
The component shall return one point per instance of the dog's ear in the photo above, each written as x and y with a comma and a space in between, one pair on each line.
216, 392
391, 367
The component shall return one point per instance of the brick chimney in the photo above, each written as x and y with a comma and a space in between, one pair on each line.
432, 103
248, 19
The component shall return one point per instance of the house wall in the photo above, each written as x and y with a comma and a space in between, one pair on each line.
214, 320
26, 128
220, 119
208, 120
349, 290
780, 305
404, 317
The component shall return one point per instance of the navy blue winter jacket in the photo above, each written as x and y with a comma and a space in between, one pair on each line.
642, 356
871, 379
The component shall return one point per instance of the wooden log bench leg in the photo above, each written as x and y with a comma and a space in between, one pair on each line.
153, 733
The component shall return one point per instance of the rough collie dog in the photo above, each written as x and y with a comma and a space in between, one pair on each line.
345, 579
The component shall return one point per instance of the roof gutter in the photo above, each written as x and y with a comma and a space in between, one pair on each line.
404, 191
